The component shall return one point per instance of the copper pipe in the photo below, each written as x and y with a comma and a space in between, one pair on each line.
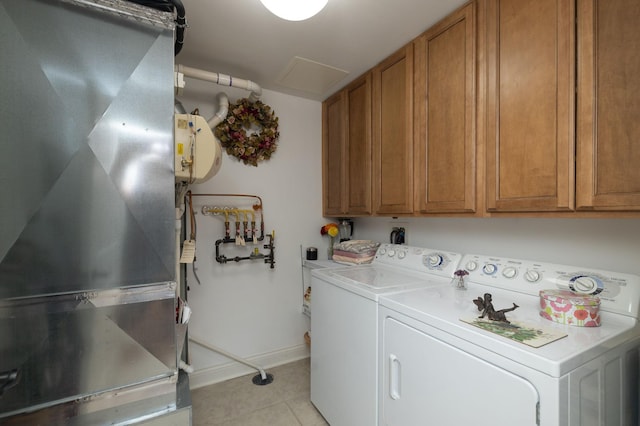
239, 195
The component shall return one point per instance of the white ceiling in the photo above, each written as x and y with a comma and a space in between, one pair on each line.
243, 39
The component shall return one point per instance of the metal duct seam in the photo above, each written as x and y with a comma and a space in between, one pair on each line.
181, 17
129, 10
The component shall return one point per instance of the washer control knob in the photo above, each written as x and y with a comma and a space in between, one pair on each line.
382, 250
532, 275
472, 265
433, 260
402, 254
585, 284
391, 253
489, 269
510, 272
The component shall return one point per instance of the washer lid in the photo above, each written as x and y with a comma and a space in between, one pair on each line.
444, 308
376, 276
373, 280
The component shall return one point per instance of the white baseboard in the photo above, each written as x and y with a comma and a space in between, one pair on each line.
231, 370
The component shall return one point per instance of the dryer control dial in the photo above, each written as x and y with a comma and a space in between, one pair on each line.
532, 275
391, 253
586, 284
471, 265
433, 260
489, 269
510, 272
402, 254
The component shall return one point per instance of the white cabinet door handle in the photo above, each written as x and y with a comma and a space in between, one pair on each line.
394, 377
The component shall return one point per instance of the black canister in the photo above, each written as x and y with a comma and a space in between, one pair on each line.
312, 253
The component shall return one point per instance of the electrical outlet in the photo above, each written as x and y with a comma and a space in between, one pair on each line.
398, 232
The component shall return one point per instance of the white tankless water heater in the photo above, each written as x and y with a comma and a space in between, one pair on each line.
198, 154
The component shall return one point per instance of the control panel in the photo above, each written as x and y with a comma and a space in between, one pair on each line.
438, 262
618, 292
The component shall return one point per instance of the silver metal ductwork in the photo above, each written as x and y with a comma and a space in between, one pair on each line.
87, 253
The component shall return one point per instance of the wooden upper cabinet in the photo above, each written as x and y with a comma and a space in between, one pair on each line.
333, 154
608, 167
359, 156
393, 134
444, 106
347, 150
530, 98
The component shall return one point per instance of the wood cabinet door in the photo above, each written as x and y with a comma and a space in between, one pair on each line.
608, 167
393, 134
333, 154
358, 150
444, 106
530, 95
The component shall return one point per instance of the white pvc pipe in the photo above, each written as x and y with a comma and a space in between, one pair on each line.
222, 79
202, 343
221, 114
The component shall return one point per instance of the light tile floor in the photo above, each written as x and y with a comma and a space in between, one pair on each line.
238, 402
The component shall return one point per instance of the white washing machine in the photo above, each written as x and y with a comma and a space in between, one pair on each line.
439, 366
344, 326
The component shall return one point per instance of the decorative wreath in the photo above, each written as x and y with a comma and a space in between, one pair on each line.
245, 115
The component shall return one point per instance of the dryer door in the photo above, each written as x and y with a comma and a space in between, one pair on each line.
427, 381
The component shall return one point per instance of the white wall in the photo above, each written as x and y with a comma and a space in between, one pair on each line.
609, 244
247, 308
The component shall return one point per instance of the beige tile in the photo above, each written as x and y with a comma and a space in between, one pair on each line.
231, 399
291, 380
305, 412
239, 400
278, 414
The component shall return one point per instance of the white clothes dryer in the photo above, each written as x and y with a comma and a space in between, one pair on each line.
439, 366
344, 326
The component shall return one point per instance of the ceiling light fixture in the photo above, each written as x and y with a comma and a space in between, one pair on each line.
294, 10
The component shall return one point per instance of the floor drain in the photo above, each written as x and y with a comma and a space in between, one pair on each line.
257, 379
